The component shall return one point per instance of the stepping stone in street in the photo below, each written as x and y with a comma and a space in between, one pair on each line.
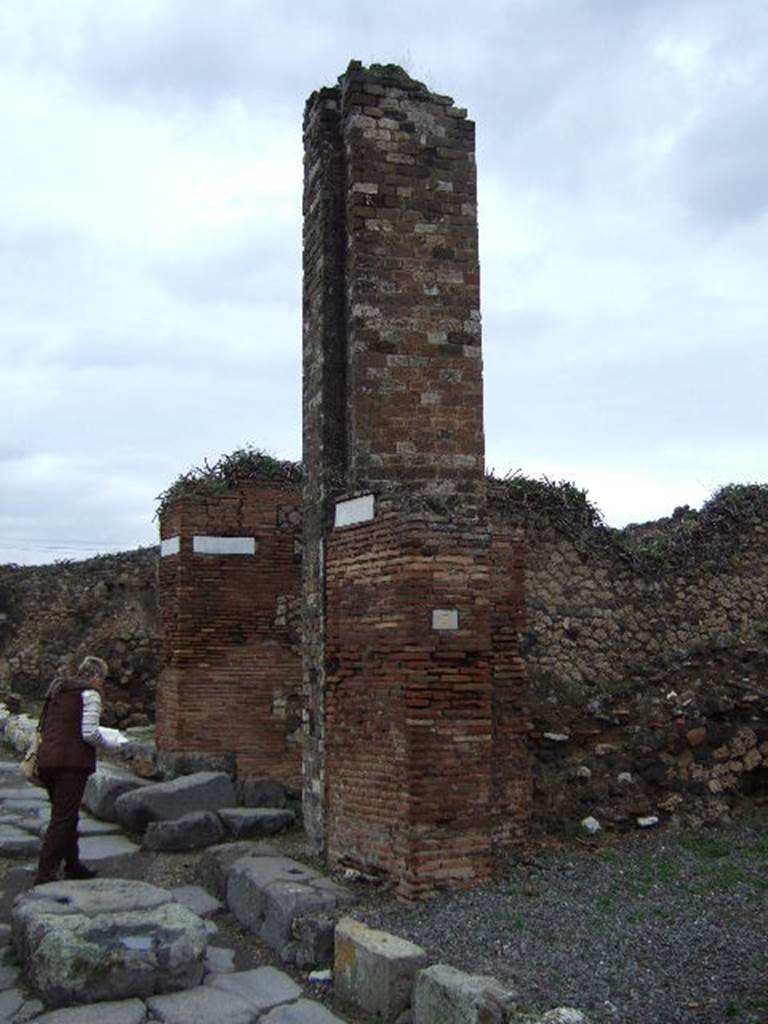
103, 788
216, 861
27, 792
197, 899
262, 988
106, 939
190, 832
251, 822
201, 1006
303, 1012
267, 894
100, 847
123, 1011
14, 842
19, 805
166, 801
91, 827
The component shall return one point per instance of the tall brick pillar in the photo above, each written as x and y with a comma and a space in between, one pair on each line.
399, 661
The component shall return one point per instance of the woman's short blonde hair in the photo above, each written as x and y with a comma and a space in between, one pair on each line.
92, 666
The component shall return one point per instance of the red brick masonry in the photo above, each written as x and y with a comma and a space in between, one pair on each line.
231, 664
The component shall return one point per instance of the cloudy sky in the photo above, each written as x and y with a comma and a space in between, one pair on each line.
150, 239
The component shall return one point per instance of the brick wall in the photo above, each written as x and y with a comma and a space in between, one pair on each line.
231, 665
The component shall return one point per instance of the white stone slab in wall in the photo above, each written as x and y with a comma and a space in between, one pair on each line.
354, 510
170, 546
445, 618
205, 545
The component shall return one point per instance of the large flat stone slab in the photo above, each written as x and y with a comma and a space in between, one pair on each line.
197, 899
203, 1005
105, 940
262, 988
375, 970
25, 792
267, 894
101, 847
16, 842
103, 788
124, 1011
303, 1012
166, 801
443, 995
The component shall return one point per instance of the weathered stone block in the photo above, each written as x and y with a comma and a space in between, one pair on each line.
248, 822
216, 861
103, 788
261, 792
267, 894
314, 935
375, 970
106, 939
443, 995
166, 801
190, 832
125, 1011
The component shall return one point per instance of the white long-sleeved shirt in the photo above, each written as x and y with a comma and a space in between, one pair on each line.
91, 731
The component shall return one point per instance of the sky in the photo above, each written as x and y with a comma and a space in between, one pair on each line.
150, 240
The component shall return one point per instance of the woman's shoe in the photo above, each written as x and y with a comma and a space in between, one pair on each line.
79, 871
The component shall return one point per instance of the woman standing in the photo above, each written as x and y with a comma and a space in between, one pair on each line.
67, 756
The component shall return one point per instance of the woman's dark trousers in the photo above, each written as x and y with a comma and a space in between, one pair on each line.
65, 790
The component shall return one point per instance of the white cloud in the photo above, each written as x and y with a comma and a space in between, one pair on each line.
150, 233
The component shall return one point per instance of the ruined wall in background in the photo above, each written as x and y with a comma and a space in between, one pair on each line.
51, 616
647, 653
230, 572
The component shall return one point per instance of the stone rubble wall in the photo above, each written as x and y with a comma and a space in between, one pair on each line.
647, 655
51, 616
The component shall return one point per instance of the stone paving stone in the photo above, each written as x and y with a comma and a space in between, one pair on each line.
99, 847
303, 1012
202, 1005
91, 827
30, 1009
250, 822
219, 960
9, 975
25, 792
124, 1011
198, 899
10, 1001
15, 842
262, 988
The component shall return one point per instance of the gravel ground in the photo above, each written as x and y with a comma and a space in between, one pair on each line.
658, 928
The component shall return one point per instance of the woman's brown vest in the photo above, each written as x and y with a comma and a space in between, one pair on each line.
62, 744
